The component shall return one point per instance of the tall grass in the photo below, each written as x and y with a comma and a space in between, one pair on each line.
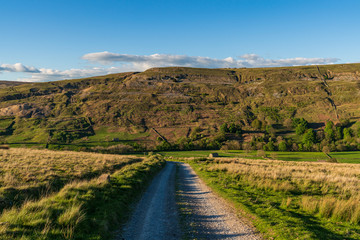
294, 200
31, 174
88, 209
316, 178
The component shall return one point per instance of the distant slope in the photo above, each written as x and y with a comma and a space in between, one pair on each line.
5, 83
180, 102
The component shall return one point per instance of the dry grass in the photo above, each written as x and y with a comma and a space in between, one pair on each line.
86, 209
24, 167
31, 174
330, 190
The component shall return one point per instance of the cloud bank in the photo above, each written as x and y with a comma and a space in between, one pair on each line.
162, 60
126, 62
18, 67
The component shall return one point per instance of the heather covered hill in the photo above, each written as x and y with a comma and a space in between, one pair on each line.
174, 105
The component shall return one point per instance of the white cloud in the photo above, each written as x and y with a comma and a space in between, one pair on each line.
53, 74
18, 67
126, 62
143, 62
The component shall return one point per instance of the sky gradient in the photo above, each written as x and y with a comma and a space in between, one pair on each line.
43, 40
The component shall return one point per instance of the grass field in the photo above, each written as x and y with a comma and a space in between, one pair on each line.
342, 157
68, 195
288, 199
28, 173
106, 134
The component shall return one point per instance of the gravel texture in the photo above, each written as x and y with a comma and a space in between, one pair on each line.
204, 215
155, 216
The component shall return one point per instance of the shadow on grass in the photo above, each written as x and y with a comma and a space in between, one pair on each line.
311, 225
261, 204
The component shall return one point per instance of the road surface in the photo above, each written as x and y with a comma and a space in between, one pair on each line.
156, 215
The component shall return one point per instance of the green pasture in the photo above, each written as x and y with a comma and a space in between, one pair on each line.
342, 157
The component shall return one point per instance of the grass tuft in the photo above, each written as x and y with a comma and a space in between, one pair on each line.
289, 200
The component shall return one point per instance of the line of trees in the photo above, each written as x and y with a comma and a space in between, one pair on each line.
339, 137
332, 138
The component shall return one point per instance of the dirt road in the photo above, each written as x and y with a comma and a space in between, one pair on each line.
156, 217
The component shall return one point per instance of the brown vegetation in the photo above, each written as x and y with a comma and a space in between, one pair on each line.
332, 190
31, 174
176, 99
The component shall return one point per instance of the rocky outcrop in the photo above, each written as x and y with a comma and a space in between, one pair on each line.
22, 110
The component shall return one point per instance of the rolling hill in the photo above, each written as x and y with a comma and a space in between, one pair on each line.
177, 105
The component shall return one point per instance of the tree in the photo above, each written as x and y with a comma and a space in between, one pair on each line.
320, 135
282, 146
300, 125
300, 129
269, 146
224, 128
348, 133
329, 131
256, 124
300, 121
326, 149
294, 147
338, 133
232, 128
163, 146
270, 130
309, 138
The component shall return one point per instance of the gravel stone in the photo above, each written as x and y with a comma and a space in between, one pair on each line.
210, 217
155, 216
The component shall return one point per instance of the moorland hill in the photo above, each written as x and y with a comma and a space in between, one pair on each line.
178, 105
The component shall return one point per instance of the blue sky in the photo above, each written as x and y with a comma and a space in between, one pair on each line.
42, 40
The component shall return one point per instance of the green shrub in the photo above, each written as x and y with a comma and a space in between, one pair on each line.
282, 146
224, 128
338, 133
256, 124
309, 137
329, 131
348, 133
269, 146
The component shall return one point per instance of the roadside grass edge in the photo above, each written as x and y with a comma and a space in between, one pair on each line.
92, 209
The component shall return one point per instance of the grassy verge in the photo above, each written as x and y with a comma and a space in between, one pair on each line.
342, 157
31, 174
289, 200
81, 210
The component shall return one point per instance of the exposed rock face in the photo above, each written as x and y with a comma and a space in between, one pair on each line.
22, 110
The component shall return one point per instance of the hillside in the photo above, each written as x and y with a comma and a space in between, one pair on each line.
5, 84
186, 106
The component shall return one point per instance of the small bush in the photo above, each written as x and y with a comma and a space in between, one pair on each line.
231, 145
261, 153
282, 146
326, 149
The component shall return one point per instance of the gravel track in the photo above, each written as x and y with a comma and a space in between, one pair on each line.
209, 216
156, 217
